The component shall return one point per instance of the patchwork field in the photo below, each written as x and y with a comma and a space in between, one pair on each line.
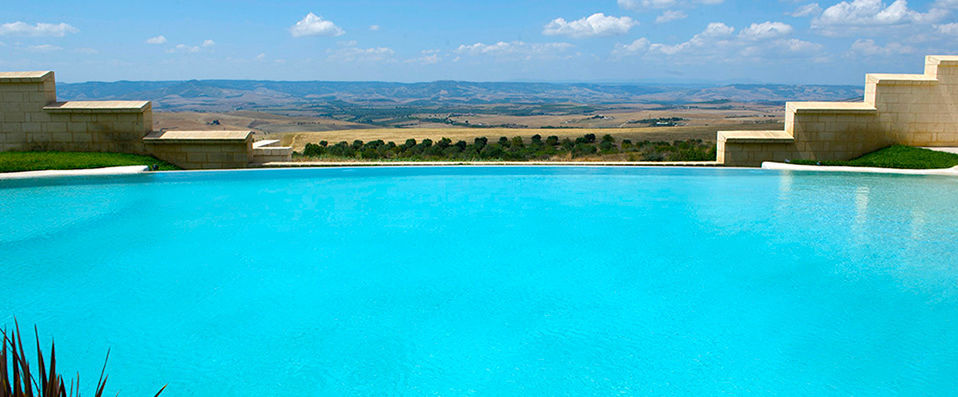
260, 122
638, 122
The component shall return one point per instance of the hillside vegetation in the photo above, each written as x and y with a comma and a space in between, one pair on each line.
514, 149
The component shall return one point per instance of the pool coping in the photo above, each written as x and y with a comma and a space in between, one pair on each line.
486, 164
330, 164
770, 165
124, 170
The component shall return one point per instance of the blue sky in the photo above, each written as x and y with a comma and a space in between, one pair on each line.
767, 41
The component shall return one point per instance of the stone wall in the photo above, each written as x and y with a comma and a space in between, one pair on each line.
202, 149
31, 119
919, 110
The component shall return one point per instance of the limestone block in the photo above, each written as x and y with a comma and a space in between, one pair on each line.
62, 137
54, 126
75, 127
14, 117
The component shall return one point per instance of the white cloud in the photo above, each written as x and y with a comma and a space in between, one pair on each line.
640, 5
950, 29
669, 16
765, 30
86, 51
515, 49
636, 47
945, 4
184, 48
44, 48
807, 10
374, 28
868, 47
191, 49
597, 24
38, 30
429, 57
849, 17
711, 36
796, 45
645, 5
354, 54
156, 40
261, 56
313, 25
717, 43
781, 48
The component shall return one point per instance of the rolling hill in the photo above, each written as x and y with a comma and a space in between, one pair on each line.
231, 95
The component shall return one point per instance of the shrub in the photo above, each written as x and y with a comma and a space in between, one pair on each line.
608, 138
583, 150
517, 142
652, 156
314, 150
370, 153
589, 138
552, 140
607, 147
503, 141
492, 152
444, 143
19, 380
341, 149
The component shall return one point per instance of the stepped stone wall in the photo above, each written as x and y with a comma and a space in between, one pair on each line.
908, 109
31, 119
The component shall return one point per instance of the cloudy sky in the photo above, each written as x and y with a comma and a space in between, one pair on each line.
763, 41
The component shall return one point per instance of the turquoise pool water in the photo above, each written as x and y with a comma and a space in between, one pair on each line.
491, 281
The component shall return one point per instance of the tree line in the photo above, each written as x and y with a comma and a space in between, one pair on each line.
514, 149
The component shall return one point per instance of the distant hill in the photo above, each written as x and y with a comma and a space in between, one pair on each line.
227, 95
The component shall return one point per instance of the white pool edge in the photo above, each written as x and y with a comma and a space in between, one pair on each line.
447, 165
125, 170
769, 165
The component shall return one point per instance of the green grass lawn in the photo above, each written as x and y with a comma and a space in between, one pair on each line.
897, 156
33, 161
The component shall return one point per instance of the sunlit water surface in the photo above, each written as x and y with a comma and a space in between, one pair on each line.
490, 281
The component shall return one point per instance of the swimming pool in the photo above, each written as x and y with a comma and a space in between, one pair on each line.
490, 280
